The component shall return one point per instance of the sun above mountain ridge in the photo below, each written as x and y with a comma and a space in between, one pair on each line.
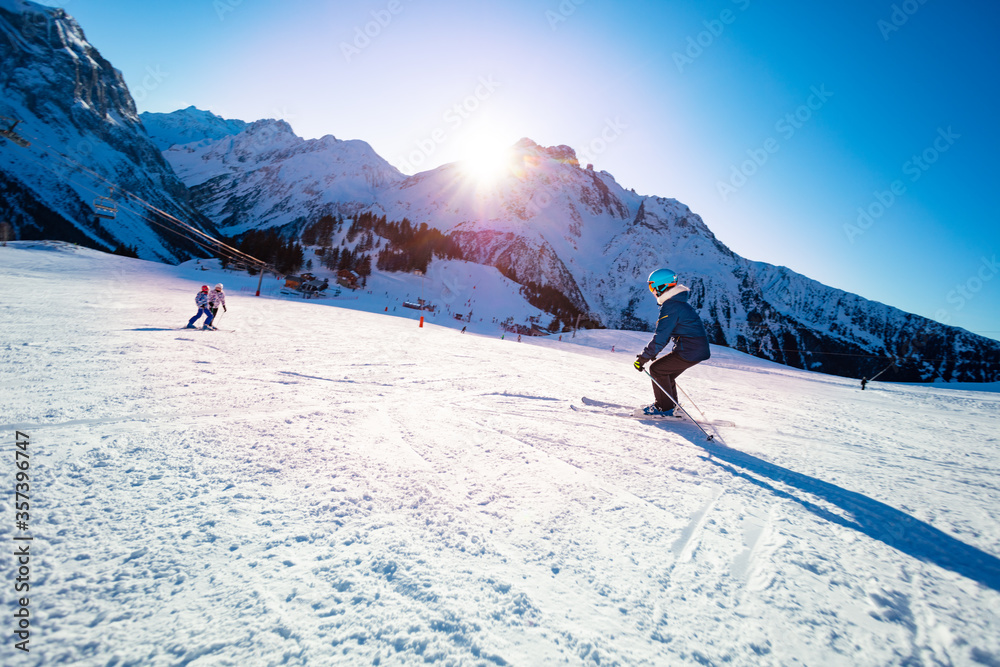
487, 159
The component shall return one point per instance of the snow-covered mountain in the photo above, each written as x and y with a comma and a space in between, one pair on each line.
70, 100
266, 176
548, 223
186, 126
551, 222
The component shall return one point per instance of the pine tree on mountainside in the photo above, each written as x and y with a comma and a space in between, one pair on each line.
126, 251
331, 259
309, 235
353, 230
320, 232
293, 258
347, 261
364, 266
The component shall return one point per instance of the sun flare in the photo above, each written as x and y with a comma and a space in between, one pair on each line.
487, 159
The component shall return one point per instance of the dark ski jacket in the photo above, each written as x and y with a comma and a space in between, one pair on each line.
678, 320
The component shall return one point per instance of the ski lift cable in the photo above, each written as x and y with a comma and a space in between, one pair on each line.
245, 257
241, 256
217, 245
219, 250
192, 240
837, 354
172, 229
895, 360
216, 248
83, 186
196, 241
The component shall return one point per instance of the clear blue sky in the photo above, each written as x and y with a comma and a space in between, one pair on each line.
776, 121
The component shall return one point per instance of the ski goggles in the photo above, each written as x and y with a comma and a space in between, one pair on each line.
652, 288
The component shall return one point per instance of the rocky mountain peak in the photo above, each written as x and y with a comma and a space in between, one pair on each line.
66, 95
562, 154
49, 62
187, 126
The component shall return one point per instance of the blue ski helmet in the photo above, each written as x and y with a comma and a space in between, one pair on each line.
661, 280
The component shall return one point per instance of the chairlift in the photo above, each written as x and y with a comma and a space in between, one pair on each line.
105, 207
9, 132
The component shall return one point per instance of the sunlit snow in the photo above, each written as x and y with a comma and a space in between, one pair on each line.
319, 484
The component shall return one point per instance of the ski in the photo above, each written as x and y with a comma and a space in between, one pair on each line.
200, 329
630, 414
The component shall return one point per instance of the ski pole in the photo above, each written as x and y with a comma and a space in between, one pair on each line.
703, 415
678, 405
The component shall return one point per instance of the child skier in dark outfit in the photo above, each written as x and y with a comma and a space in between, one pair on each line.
201, 300
679, 321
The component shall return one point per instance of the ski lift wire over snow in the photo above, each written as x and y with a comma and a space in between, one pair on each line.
105, 207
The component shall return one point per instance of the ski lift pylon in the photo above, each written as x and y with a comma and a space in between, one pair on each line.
105, 207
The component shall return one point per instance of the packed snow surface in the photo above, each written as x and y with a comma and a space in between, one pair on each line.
327, 485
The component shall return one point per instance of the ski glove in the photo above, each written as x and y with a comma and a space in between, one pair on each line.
224, 308
640, 361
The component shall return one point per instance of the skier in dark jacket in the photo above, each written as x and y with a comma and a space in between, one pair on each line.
679, 321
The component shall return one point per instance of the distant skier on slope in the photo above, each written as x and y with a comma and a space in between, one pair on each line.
679, 321
201, 300
216, 298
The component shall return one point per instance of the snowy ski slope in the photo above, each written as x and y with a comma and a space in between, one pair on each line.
335, 486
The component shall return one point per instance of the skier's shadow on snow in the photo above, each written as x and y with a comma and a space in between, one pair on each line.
866, 515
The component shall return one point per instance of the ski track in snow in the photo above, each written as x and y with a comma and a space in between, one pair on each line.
333, 486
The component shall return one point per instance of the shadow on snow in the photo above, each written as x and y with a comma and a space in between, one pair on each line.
866, 515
